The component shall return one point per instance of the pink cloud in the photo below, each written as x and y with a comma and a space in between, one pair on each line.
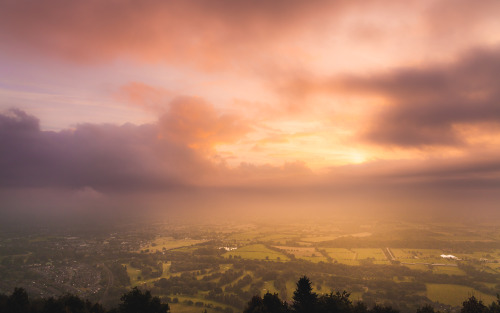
148, 97
206, 33
199, 125
423, 104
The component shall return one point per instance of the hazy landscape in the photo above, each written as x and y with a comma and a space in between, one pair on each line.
221, 266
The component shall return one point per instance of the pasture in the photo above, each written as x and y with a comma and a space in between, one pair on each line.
244, 236
353, 256
495, 267
136, 278
449, 270
256, 252
169, 243
421, 256
419, 267
278, 238
376, 254
477, 255
341, 255
316, 239
416, 254
304, 253
455, 294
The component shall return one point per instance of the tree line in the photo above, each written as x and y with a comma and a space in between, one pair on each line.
304, 301
307, 301
134, 301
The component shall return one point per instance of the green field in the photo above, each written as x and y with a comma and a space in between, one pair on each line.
319, 238
315, 259
477, 255
341, 255
381, 262
376, 254
169, 243
416, 254
244, 236
136, 278
449, 270
419, 267
494, 267
304, 253
278, 238
186, 249
455, 294
256, 252
421, 256
353, 256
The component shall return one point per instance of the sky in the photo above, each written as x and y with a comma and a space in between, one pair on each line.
250, 107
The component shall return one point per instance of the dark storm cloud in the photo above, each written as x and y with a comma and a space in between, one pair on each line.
428, 103
103, 157
177, 151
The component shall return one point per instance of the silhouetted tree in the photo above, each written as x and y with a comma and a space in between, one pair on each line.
73, 304
382, 309
304, 300
137, 301
495, 306
473, 305
51, 305
70, 304
273, 304
359, 307
335, 303
270, 303
18, 301
426, 309
255, 305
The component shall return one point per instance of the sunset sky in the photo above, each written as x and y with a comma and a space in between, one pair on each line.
237, 105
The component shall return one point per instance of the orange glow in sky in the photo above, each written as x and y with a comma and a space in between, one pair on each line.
228, 93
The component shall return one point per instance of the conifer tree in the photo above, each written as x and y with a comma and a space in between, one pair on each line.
304, 300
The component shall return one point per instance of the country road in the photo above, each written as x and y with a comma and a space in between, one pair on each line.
390, 254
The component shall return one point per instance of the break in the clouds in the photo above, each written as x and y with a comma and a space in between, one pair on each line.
423, 106
98, 166
135, 158
174, 152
